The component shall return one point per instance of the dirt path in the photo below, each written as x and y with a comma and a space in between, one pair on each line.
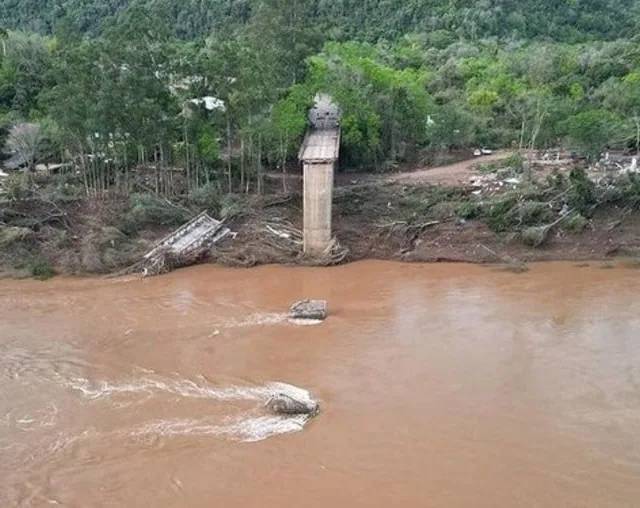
451, 174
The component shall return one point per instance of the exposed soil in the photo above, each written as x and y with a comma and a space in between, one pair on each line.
372, 223
457, 173
418, 216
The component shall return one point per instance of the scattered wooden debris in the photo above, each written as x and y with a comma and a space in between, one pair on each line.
509, 264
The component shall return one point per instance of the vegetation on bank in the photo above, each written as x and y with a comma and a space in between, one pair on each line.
228, 101
47, 230
150, 111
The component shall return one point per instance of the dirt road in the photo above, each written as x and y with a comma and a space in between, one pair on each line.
451, 174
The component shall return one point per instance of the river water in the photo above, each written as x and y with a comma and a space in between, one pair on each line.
441, 385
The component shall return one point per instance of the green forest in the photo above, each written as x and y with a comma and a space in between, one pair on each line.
221, 89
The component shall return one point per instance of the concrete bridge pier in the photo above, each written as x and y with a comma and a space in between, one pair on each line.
318, 193
318, 154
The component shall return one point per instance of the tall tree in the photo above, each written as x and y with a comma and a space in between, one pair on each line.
593, 130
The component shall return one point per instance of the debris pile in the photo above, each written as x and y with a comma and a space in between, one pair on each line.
271, 239
492, 183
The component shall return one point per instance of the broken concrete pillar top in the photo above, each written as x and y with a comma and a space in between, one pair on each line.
309, 309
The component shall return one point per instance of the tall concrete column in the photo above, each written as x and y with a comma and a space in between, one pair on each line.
318, 194
319, 153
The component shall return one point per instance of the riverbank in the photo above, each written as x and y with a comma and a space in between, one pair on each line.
494, 214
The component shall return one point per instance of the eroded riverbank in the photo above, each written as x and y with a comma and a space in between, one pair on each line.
441, 385
384, 221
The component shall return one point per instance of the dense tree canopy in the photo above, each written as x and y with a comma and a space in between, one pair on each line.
570, 20
222, 88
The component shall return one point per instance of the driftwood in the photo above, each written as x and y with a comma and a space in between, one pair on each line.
510, 264
407, 225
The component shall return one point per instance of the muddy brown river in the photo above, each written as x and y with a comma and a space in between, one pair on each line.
441, 386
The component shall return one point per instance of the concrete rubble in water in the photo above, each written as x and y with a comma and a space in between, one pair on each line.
313, 310
288, 404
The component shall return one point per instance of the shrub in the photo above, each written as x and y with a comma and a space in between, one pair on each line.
531, 213
42, 270
535, 236
11, 235
67, 185
148, 210
576, 223
207, 197
444, 210
17, 187
515, 162
415, 205
501, 213
557, 180
469, 211
582, 196
631, 192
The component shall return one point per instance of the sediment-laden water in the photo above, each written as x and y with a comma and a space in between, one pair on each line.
440, 385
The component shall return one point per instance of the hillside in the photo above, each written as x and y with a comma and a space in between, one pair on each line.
113, 96
569, 21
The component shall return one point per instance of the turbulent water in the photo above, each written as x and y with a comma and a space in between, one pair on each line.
441, 385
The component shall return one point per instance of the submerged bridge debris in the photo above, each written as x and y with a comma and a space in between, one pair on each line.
185, 245
314, 310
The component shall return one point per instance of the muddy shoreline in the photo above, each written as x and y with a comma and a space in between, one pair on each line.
469, 211
370, 222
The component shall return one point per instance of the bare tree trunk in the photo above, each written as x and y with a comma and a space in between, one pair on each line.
230, 189
283, 155
85, 177
259, 166
156, 170
93, 185
163, 169
537, 126
186, 151
251, 160
392, 140
241, 163
126, 172
636, 119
